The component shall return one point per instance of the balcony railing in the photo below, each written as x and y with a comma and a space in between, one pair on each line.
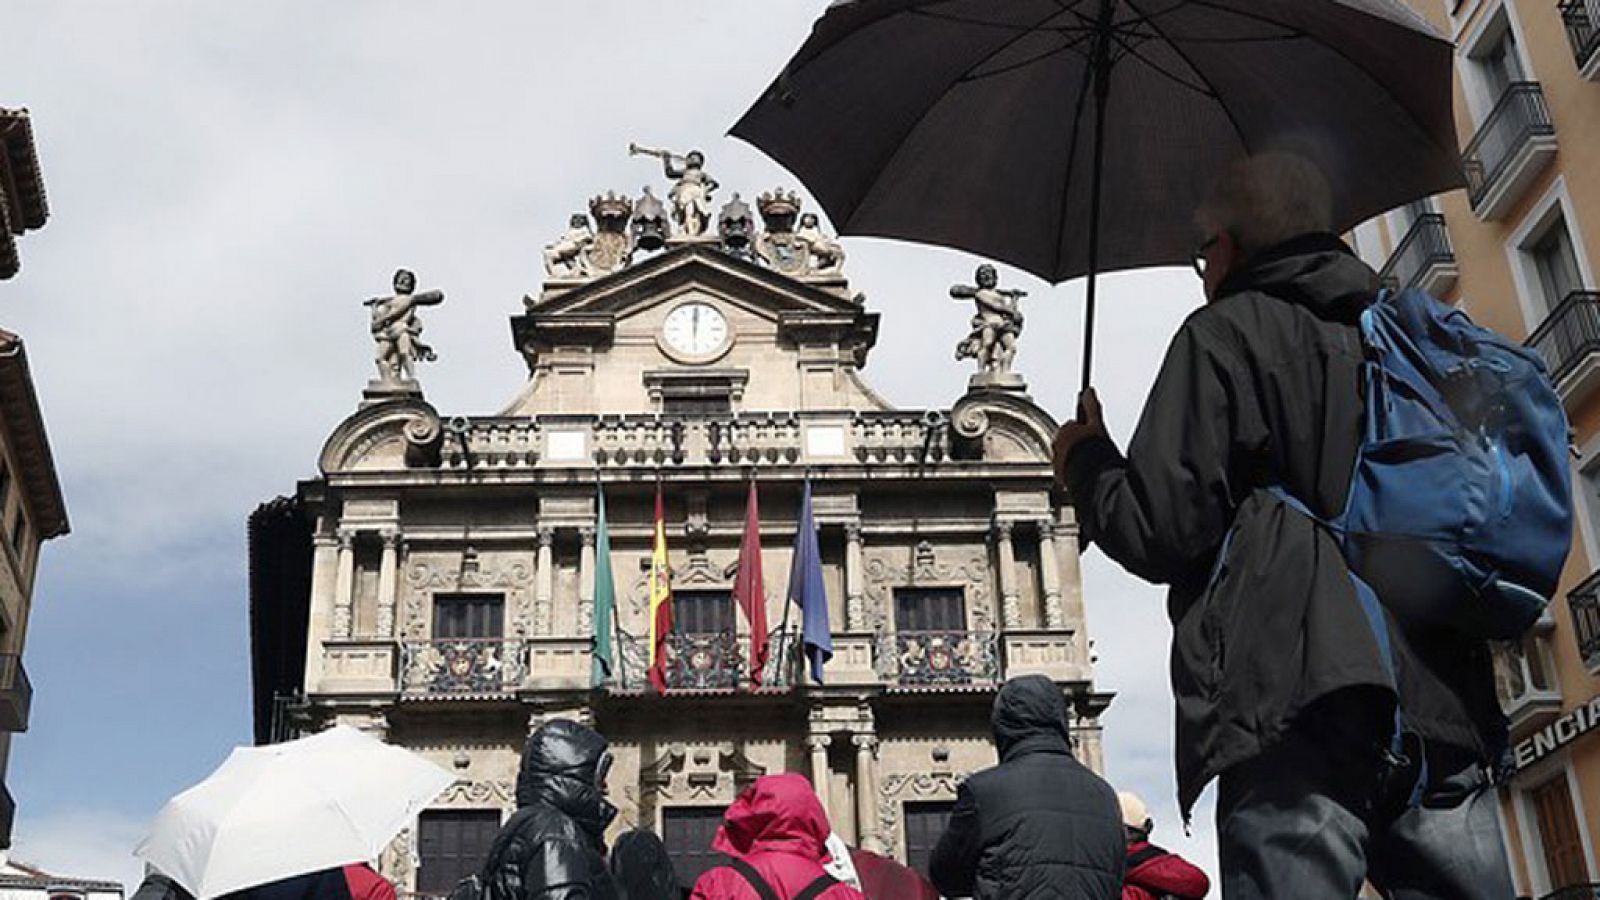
16, 693
1423, 252
701, 662
743, 439
1575, 892
925, 658
1569, 334
463, 667
1518, 120
1584, 604
1582, 18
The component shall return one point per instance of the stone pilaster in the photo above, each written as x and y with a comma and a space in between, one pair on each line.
388, 582
1055, 617
854, 578
1010, 598
867, 792
544, 587
586, 568
818, 745
344, 585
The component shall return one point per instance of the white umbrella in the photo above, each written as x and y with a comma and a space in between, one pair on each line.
273, 812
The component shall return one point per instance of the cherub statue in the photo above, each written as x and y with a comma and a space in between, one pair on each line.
568, 256
397, 330
691, 189
827, 257
995, 325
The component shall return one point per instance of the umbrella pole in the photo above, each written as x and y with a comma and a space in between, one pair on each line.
1101, 62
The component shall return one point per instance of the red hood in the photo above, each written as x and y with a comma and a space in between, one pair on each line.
778, 813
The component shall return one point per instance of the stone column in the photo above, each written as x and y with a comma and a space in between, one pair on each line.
1050, 576
818, 743
1010, 600
855, 597
867, 792
586, 568
388, 582
344, 584
544, 587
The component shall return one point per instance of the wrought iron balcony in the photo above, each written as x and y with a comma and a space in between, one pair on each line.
1582, 18
1589, 891
16, 694
1569, 335
463, 667
931, 658
1514, 143
701, 662
1584, 605
1423, 258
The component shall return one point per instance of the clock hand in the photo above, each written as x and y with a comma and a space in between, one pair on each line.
694, 323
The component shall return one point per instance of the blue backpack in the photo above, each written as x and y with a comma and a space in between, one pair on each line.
1460, 507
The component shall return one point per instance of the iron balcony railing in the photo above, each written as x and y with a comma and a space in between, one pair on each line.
1582, 18
1519, 117
1589, 891
463, 666
1569, 334
1426, 244
702, 662
16, 693
1584, 604
928, 658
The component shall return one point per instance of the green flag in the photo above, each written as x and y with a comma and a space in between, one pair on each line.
605, 595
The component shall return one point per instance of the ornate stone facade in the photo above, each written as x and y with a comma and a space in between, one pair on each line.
452, 580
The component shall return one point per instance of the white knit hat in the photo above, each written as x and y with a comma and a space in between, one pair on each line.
1134, 813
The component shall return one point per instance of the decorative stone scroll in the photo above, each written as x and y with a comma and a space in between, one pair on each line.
427, 575
900, 787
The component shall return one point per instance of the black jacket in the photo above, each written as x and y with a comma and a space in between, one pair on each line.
1040, 824
552, 848
1262, 387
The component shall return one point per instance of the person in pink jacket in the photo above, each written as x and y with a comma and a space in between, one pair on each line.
775, 835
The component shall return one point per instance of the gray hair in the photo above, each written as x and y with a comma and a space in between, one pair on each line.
1266, 199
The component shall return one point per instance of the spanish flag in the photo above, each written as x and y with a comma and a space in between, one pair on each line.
660, 601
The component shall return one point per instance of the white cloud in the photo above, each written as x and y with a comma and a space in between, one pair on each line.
82, 844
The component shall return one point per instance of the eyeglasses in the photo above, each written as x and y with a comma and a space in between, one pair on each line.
1198, 257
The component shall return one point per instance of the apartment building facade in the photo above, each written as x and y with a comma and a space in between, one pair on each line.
1517, 249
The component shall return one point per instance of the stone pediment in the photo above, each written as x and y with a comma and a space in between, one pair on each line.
589, 311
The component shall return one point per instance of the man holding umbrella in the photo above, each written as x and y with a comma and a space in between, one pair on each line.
1281, 692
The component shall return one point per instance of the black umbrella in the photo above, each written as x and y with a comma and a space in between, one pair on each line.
995, 126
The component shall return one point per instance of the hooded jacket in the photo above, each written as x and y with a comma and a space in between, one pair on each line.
1040, 824
777, 826
1262, 387
552, 848
1155, 874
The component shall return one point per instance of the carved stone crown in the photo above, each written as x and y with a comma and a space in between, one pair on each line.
611, 211
779, 208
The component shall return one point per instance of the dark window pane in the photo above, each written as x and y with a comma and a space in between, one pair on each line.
925, 822
702, 612
468, 616
696, 406
1557, 263
687, 831
452, 844
930, 609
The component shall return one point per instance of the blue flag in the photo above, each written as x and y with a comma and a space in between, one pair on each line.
806, 590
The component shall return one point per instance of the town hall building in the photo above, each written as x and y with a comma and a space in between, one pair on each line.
435, 584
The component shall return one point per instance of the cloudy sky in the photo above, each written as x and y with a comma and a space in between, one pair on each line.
227, 182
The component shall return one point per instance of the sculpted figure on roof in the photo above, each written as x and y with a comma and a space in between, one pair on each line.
397, 331
691, 189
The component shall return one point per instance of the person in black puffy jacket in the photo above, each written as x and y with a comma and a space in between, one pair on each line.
553, 848
1040, 824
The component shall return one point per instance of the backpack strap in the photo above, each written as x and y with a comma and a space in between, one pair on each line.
816, 888
1150, 851
750, 875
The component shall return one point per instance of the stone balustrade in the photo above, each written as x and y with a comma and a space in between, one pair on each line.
743, 439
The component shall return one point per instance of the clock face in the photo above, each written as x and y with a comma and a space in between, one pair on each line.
695, 329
